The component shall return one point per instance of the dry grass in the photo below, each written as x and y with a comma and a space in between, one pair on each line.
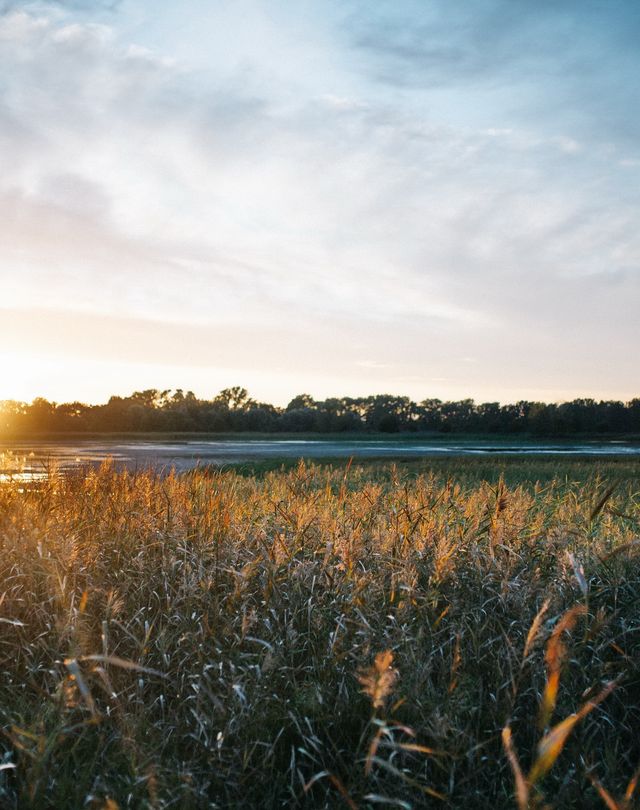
317, 638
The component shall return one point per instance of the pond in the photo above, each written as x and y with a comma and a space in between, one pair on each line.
29, 461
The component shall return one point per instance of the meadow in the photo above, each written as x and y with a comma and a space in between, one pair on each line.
457, 634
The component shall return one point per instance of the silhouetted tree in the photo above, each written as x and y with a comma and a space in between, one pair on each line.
234, 410
301, 401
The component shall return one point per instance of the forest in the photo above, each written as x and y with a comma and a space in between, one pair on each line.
233, 410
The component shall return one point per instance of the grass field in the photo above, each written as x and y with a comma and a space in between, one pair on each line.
474, 470
323, 636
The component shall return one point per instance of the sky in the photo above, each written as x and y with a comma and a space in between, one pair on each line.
341, 197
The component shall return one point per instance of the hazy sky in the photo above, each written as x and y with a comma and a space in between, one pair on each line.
433, 198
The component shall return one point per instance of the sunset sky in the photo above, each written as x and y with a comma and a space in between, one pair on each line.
437, 198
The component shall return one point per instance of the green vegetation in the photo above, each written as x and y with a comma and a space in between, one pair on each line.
470, 471
233, 410
324, 637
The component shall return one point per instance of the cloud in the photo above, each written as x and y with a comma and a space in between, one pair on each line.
208, 180
92, 6
570, 65
144, 189
446, 42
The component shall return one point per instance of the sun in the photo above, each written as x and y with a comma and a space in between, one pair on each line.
19, 376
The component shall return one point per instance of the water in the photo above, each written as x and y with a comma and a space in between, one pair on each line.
25, 461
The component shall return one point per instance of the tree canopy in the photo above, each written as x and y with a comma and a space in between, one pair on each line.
233, 410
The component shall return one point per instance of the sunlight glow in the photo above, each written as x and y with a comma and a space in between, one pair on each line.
19, 376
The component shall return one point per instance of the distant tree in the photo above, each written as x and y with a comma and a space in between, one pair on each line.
260, 417
235, 398
489, 417
71, 416
216, 418
458, 416
233, 409
151, 398
633, 416
301, 401
388, 413
12, 415
41, 414
297, 420
540, 419
429, 414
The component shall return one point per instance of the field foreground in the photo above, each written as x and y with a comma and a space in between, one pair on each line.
321, 637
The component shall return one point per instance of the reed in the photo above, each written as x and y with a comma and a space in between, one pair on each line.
318, 637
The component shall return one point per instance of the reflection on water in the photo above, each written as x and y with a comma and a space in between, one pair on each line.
17, 468
22, 462
22, 477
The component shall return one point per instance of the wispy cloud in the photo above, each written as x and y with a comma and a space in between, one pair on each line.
438, 182
566, 65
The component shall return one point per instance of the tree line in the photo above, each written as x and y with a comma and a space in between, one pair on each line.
233, 410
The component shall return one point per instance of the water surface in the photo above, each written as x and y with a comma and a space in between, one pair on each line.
34, 460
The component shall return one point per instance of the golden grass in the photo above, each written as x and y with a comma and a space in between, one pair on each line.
317, 638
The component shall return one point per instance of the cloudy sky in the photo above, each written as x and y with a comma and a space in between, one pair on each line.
433, 198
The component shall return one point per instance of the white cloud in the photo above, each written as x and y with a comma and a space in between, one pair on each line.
135, 184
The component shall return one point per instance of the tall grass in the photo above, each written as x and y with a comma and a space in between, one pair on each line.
321, 637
